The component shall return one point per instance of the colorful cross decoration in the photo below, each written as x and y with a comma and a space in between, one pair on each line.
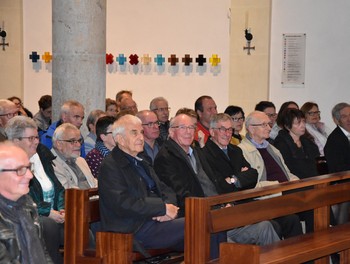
121, 59
201, 60
109, 58
34, 56
47, 57
146, 59
214, 60
187, 60
159, 60
173, 60
134, 59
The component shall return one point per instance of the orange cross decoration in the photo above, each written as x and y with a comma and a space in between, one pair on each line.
214, 60
47, 57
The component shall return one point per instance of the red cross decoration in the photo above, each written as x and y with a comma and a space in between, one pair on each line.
109, 58
134, 59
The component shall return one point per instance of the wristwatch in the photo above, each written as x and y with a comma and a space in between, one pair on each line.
233, 180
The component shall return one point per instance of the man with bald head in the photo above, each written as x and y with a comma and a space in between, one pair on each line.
132, 198
260, 154
19, 221
8, 110
151, 132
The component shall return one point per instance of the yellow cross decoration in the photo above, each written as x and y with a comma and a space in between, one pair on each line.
47, 57
214, 60
146, 59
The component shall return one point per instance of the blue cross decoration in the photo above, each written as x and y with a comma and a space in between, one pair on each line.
159, 60
121, 59
201, 60
34, 56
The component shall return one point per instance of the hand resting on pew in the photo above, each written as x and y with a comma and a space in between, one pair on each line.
171, 213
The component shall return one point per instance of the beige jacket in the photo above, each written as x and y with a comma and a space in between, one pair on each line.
66, 175
252, 155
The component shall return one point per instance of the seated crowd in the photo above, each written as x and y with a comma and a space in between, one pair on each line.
145, 165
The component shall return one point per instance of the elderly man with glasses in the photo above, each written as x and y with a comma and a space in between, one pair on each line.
71, 169
151, 131
8, 110
160, 107
19, 222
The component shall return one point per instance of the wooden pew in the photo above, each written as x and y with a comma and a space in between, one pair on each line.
202, 220
82, 208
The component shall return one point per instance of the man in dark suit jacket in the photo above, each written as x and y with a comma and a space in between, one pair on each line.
132, 198
232, 172
337, 152
337, 148
183, 169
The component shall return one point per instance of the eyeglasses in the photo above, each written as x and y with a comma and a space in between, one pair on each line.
30, 139
313, 113
152, 124
73, 141
10, 115
20, 171
271, 115
237, 119
224, 129
163, 109
263, 125
184, 128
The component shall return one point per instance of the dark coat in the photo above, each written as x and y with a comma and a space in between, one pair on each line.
176, 171
224, 166
36, 192
125, 203
300, 161
337, 151
10, 249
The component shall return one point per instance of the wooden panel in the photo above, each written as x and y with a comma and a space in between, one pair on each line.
310, 246
238, 253
256, 211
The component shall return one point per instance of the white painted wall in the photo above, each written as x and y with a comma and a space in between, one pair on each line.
144, 26
326, 24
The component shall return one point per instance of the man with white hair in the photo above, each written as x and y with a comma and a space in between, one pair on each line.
132, 198
160, 107
71, 112
71, 169
8, 110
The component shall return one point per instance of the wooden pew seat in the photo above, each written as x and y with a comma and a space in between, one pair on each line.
82, 209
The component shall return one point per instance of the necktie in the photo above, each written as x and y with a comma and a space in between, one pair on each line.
192, 161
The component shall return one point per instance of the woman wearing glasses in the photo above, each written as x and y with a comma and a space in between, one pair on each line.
45, 189
237, 116
314, 126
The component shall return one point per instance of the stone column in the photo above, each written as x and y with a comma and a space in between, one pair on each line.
79, 50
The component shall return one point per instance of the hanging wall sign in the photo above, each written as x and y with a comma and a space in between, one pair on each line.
293, 60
